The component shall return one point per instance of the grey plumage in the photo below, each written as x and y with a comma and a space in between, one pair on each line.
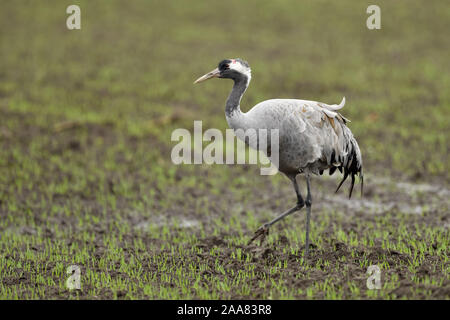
311, 140
313, 136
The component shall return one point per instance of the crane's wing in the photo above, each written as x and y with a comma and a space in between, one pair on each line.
341, 150
319, 129
311, 131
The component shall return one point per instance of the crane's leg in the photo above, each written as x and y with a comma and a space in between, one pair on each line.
308, 213
263, 231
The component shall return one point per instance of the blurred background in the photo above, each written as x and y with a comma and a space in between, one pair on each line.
127, 74
86, 115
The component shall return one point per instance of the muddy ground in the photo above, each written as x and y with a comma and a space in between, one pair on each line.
209, 224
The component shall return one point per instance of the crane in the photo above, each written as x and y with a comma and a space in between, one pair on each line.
313, 137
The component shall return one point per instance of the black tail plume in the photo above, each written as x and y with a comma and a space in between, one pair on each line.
351, 186
362, 183
342, 181
352, 163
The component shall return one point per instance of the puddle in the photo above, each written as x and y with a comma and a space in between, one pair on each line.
178, 223
374, 207
414, 188
401, 196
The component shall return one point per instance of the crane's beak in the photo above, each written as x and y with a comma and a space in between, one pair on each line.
213, 74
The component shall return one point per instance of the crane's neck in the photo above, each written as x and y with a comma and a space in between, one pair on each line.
232, 108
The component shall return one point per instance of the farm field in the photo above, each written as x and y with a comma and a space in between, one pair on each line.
86, 176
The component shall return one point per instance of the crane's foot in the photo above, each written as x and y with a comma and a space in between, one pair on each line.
262, 232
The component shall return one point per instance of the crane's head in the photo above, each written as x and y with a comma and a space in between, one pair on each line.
235, 69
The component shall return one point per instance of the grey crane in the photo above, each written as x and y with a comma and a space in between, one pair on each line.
313, 136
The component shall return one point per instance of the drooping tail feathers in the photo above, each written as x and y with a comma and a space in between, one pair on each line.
352, 163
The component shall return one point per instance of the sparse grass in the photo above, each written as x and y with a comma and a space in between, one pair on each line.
178, 264
85, 172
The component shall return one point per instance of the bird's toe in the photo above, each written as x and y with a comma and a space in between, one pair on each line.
262, 232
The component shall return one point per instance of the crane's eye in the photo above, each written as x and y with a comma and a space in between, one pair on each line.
224, 65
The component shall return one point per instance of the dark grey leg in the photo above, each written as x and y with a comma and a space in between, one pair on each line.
308, 214
264, 229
